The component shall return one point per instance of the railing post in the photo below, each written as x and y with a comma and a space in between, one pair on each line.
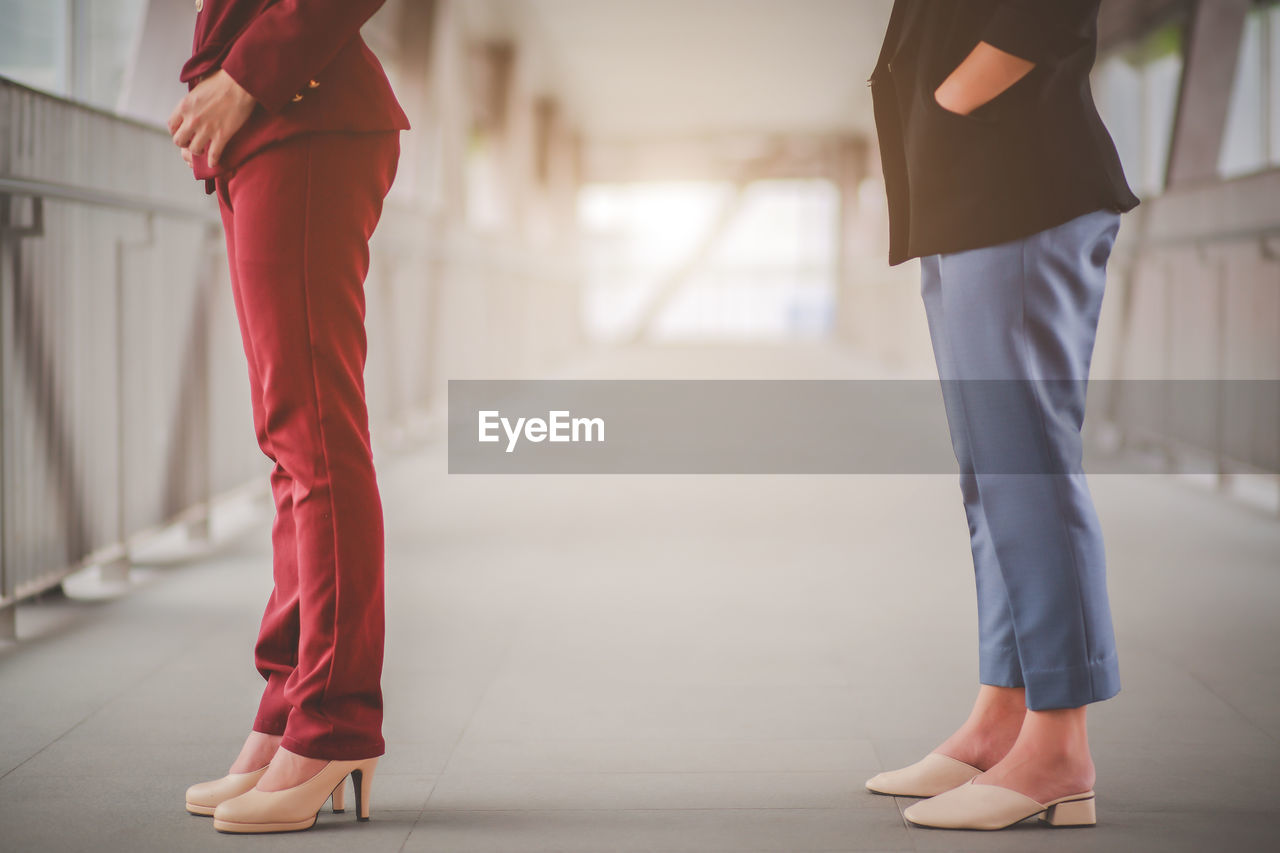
41, 430
1221, 279
199, 526
117, 568
8, 611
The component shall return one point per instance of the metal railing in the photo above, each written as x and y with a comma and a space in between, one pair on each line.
124, 400
1197, 300
121, 373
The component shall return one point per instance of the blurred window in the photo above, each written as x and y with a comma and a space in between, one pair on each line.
1136, 89
1251, 141
766, 259
486, 198
1273, 83
74, 48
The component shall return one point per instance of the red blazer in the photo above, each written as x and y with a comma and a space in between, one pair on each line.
302, 60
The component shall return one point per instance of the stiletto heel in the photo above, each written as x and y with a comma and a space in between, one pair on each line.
1072, 813
298, 807
339, 797
362, 783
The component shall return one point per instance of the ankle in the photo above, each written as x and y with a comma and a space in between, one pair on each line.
1002, 719
1000, 710
999, 727
1057, 735
979, 746
256, 753
1064, 757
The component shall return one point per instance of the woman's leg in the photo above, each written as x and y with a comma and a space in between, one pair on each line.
1021, 319
1050, 758
993, 724
303, 215
276, 652
991, 729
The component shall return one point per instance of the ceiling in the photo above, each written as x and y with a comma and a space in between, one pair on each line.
645, 69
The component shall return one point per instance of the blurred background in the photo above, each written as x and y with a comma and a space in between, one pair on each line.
613, 189
581, 175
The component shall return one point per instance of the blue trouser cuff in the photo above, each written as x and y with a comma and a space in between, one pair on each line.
1073, 686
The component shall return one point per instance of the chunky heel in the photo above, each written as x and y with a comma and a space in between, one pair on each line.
973, 806
339, 797
362, 783
1072, 813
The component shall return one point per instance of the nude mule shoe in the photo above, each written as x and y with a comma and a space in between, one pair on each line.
928, 777
204, 797
296, 808
973, 806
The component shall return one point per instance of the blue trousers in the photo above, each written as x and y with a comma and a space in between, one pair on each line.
1013, 329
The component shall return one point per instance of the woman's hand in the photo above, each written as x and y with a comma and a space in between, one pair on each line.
985, 73
211, 113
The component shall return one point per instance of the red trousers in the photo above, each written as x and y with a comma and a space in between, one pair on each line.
298, 217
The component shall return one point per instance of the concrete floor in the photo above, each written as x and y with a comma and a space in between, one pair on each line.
664, 664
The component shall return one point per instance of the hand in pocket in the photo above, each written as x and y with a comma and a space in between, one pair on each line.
983, 76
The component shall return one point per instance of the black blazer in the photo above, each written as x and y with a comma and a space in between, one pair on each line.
1033, 157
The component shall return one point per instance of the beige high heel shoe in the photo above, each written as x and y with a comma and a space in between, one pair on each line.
928, 777
204, 797
297, 808
973, 806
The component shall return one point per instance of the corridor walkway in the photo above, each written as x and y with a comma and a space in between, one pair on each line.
659, 663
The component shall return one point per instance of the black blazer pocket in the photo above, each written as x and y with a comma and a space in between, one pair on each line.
955, 156
979, 115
